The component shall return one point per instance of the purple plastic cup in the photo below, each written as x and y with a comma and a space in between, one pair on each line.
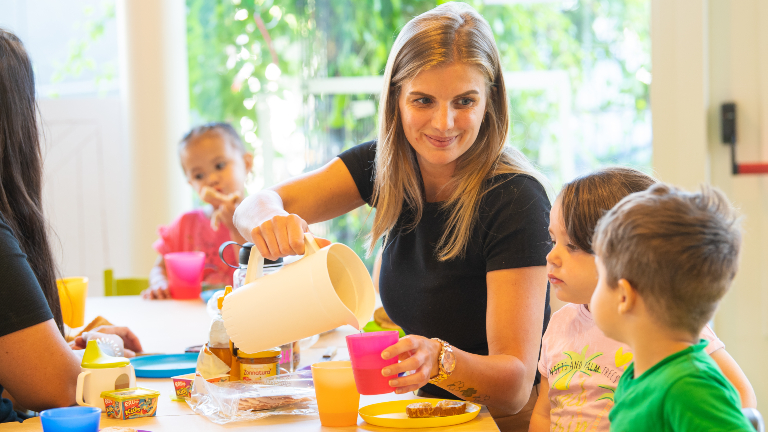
185, 273
365, 353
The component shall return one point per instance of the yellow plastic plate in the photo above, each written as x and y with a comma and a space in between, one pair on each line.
392, 414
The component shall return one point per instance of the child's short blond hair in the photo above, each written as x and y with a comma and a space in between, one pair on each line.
678, 249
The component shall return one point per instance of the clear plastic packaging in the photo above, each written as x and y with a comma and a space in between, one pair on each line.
217, 336
229, 402
238, 278
213, 304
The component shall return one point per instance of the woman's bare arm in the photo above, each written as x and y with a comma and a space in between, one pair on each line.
503, 379
275, 219
38, 367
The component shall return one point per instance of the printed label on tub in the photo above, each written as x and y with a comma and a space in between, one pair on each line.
131, 409
255, 372
112, 409
130, 404
182, 388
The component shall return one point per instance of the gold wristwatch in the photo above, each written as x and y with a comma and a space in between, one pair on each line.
446, 362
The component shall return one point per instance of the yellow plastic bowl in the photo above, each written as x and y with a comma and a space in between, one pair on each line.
392, 414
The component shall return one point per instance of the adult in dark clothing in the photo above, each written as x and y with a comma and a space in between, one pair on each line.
462, 217
37, 367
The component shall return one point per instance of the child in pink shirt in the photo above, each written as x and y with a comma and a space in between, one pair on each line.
216, 164
580, 367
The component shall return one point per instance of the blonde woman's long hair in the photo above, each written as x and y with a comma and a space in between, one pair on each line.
452, 32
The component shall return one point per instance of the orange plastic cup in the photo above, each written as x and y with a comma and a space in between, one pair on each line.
337, 396
72, 293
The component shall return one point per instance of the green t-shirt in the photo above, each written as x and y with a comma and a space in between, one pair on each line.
684, 392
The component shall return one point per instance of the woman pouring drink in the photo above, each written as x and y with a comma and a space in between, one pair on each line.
462, 217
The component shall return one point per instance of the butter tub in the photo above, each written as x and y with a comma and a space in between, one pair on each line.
130, 403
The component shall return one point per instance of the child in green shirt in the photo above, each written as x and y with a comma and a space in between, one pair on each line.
665, 258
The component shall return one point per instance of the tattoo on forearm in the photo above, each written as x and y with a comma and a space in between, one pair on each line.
468, 393
457, 386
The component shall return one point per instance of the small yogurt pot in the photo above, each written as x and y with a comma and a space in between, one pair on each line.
182, 384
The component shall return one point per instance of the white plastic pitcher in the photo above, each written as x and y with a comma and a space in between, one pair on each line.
325, 289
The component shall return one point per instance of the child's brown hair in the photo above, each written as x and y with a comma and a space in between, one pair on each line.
678, 249
225, 130
586, 199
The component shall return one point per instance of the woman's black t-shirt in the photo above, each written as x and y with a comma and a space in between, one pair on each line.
448, 299
23, 303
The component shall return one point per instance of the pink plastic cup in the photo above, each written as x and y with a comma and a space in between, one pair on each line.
365, 352
185, 273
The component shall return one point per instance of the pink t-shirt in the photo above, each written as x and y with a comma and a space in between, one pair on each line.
583, 367
192, 232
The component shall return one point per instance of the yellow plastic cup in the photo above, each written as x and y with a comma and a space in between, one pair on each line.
72, 293
337, 396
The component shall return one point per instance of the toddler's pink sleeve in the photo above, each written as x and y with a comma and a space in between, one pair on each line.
170, 237
714, 343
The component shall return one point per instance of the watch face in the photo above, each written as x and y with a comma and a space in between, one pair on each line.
449, 361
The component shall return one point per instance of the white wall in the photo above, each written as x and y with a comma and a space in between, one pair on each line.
112, 171
154, 89
85, 187
738, 65
679, 95
706, 53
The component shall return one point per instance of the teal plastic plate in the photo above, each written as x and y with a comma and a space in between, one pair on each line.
164, 365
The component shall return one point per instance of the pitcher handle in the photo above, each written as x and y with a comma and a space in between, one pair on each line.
310, 244
255, 266
256, 261
79, 391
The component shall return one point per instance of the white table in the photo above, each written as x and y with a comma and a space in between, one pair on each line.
170, 326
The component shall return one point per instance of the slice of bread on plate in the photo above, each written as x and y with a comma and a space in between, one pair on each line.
419, 410
447, 408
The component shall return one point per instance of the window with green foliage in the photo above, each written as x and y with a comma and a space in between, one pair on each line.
300, 79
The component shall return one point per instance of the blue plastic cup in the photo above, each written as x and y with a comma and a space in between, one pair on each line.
71, 419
